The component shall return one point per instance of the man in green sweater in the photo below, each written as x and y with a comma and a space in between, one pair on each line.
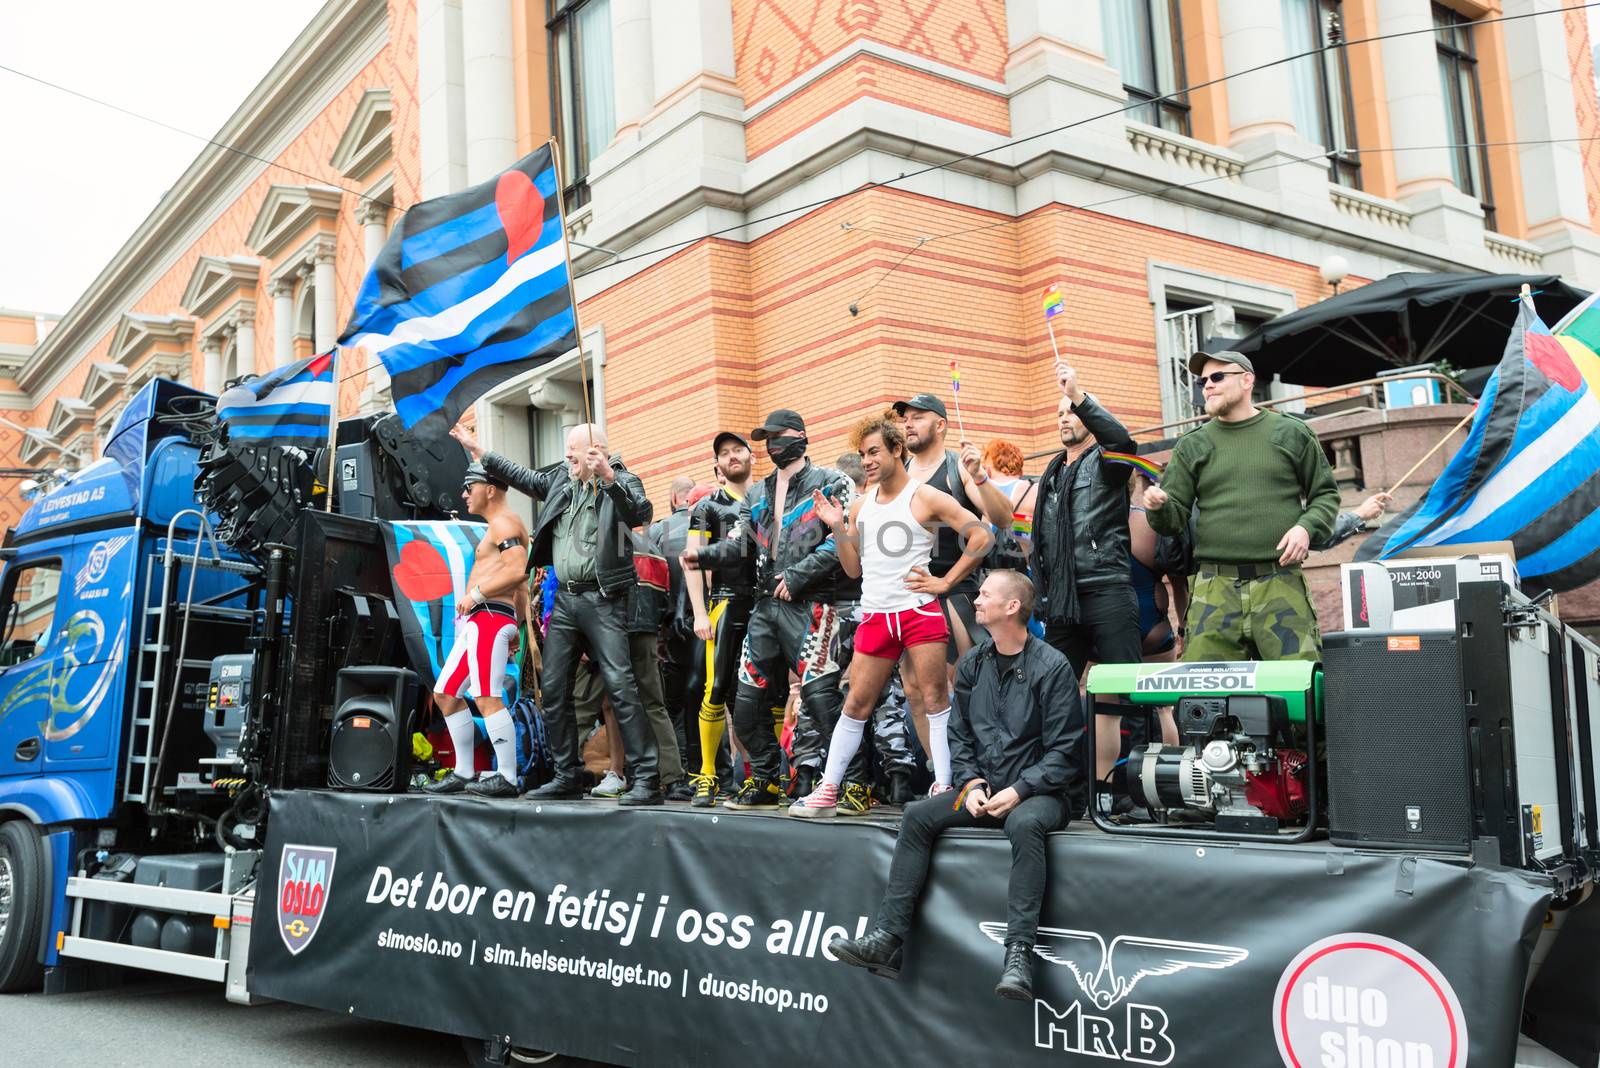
1265, 495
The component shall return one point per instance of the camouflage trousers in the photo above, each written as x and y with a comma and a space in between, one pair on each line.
890, 721
1266, 617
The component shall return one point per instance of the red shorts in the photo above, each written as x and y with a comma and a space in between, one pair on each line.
477, 660
888, 634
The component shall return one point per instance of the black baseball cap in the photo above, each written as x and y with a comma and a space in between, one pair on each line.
922, 402
782, 421
1238, 359
726, 435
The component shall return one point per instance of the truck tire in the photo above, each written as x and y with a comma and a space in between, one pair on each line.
21, 906
475, 1052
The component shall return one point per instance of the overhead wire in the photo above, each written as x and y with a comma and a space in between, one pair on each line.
923, 240
1132, 106
904, 176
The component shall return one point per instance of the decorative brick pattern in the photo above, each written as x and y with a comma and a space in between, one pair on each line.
775, 41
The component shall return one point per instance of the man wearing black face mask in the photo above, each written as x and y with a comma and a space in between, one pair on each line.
794, 625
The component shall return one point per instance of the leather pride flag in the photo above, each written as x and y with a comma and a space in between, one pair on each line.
470, 290
1529, 471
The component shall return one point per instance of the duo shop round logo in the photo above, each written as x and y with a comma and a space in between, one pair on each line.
1365, 1001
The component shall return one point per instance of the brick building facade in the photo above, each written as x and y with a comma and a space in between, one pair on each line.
734, 118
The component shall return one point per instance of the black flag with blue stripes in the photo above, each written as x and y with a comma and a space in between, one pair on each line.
470, 290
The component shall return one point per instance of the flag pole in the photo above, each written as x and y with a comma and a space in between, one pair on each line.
333, 427
572, 291
1425, 456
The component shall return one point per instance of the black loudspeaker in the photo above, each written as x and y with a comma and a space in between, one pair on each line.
1445, 739
1398, 771
370, 748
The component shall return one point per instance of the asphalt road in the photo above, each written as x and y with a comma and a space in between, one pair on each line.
191, 1025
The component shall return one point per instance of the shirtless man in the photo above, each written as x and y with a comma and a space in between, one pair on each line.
887, 543
487, 620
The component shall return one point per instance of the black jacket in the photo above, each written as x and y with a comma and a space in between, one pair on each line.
623, 506
669, 535
1025, 730
807, 559
1080, 518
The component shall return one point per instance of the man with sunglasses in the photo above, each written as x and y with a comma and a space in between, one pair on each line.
1263, 494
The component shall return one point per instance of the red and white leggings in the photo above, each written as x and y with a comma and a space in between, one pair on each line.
477, 660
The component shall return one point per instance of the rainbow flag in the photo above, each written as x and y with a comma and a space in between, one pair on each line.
1022, 524
955, 377
1054, 303
1151, 469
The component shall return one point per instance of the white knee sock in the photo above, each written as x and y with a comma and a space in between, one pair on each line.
464, 738
842, 748
939, 742
503, 736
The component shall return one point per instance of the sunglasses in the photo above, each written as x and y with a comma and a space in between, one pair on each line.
1216, 377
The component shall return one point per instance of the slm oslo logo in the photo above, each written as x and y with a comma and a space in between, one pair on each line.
305, 874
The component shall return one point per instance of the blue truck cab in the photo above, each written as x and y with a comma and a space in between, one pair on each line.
87, 655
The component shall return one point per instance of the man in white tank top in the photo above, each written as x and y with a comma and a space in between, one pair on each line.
887, 542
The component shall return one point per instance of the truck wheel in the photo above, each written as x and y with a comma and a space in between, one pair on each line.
21, 907
476, 1052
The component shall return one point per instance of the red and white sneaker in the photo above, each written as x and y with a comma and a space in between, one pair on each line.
820, 803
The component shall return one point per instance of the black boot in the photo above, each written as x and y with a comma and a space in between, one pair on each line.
1016, 980
900, 792
642, 793
804, 781
560, 788
878, 951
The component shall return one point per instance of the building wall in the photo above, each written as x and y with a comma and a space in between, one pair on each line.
225, 218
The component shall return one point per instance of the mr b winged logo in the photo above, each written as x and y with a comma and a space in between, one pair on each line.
1107, 976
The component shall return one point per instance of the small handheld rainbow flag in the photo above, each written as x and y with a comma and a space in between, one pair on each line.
1054, 303
1150, 468
1022, 524
955, 389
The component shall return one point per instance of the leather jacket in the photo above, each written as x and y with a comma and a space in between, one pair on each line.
806, 557
1024, 730
623, 506
1080, 520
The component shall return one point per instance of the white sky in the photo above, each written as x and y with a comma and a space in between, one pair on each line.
77, 178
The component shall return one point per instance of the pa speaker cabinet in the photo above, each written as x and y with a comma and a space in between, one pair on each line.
1440, 737
370, 746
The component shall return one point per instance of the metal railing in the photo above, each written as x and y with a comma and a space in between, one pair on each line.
1448, 387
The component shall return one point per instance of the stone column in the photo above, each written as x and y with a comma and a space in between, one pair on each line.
1423, 179
441, 111
327, 326
283, 321
1056, 73
1077, 26
1277, 158
633, 62
244, 340
374, 220
490, 91
686, 38
1554, 194
1258, 102
211, 351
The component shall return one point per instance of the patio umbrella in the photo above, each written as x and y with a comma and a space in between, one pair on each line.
1403, 320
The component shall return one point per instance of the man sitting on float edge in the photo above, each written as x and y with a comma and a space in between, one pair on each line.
1017, 749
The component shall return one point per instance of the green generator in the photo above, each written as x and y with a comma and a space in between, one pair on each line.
1246, 762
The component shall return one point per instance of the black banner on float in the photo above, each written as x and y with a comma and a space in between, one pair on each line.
673, 937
